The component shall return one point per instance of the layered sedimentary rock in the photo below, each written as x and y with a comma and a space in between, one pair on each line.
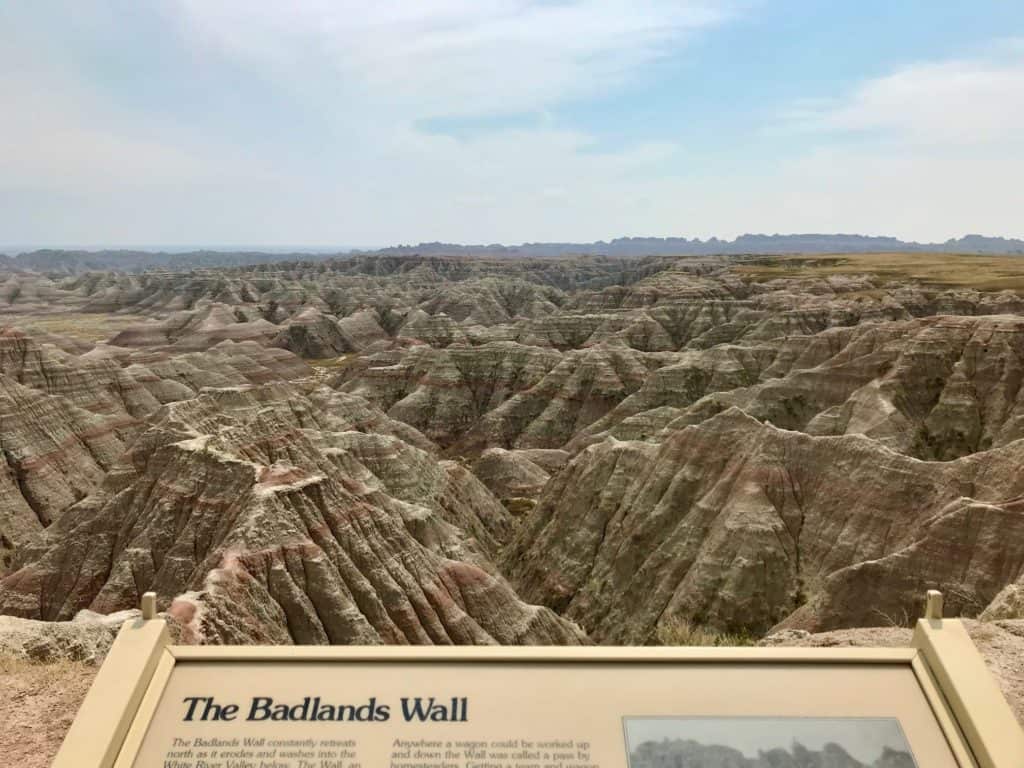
263, 523
93, 383
935, 388
312, 334
66, 419
510, 473
581, 388
200, 328
518, 477
743, 526
445, 392
739, 443
86, 638
54, 454
953, 390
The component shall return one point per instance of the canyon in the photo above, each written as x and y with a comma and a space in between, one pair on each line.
403, 448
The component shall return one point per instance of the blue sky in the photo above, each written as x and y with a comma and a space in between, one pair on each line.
361, 123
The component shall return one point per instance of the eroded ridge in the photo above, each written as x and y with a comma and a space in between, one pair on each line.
432, 449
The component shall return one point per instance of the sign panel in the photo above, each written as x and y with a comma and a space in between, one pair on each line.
554, 714
933, 705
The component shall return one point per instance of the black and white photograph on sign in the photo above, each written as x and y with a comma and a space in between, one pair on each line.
766, 742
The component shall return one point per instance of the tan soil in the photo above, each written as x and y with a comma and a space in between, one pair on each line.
37, 704
1001, 643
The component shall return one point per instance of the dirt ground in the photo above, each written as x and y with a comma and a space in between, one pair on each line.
37, 704
1001, 643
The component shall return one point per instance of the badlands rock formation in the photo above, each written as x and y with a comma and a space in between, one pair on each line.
414, 449
86, 638
743, 525
260, 515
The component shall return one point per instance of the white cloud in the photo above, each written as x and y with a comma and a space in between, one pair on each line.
453, 57
965, 101
369, 73
51, 139
930, 151
925, 194
56, 134
927, 152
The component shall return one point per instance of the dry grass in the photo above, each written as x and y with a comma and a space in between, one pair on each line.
945, 270
84, 326
12, 665
327, 368
682, 632
17, 665
332, 363
519, 506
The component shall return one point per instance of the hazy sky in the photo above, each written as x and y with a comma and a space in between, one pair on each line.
371, 123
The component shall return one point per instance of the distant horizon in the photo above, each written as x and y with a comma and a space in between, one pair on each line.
15, 249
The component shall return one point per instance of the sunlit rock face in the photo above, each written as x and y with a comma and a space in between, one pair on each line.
407, 449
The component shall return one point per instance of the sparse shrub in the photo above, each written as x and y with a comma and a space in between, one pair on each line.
683, 632
799, 593
519, 506
332, 363
45, 670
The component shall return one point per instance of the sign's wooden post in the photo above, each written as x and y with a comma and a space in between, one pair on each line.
982, 713
95, 736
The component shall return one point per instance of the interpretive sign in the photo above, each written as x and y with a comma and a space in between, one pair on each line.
929, 706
